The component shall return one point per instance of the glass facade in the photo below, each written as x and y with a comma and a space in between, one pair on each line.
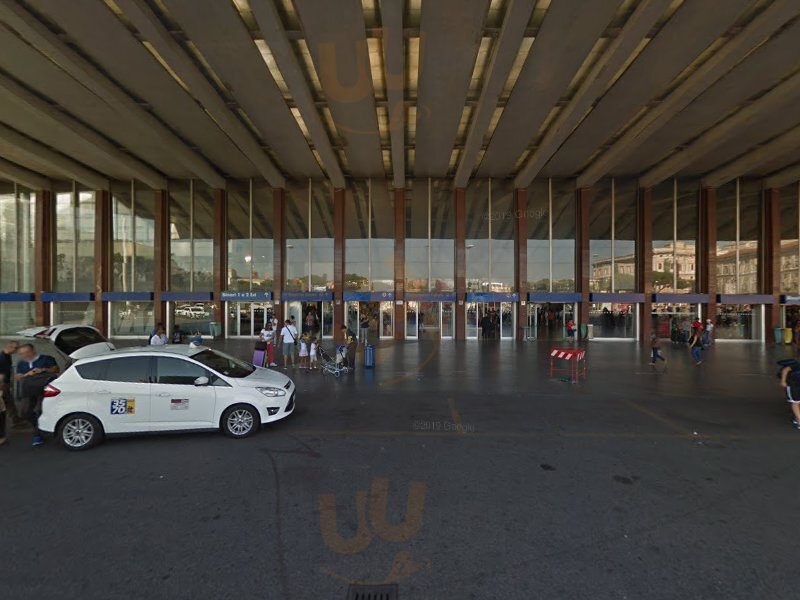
191, 223
309, 237
790, 239
131, 319
17, 238
612, 236
133, 237
674, 223
430, 236
74, 244
15, 316
551, 236
490, 231
369, 237
250, 237
738, 237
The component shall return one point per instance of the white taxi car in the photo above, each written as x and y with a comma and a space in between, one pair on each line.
162, 388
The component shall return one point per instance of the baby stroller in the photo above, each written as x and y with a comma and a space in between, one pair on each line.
335, 365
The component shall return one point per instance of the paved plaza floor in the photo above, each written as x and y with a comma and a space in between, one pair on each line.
456, 470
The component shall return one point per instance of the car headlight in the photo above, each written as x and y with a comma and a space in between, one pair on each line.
272, 392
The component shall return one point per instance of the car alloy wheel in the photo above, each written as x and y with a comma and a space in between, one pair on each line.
78, 433
240, 422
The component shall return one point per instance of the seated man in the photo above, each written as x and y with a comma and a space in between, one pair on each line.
34, 371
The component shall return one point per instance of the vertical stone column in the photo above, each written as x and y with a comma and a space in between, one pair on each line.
521, 258
399, 263
460, 199
43, 253
707, 250
278, 250
644, 260
220, 270
102, 258
338, 262
769, 264
161, 256
582, 256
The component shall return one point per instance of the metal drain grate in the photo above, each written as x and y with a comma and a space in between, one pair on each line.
386, 591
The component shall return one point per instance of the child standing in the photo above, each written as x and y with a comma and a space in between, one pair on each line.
313, 354
304, 351
655, 350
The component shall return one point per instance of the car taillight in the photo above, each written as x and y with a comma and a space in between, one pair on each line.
50, 391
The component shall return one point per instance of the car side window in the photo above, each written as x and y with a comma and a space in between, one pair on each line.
131, 369
176, 371
93, 371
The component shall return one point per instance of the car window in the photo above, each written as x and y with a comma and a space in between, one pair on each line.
224, 364
133, 369
178, 371
70, 340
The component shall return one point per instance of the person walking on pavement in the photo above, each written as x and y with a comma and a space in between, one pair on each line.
288, 339
34, 372
790, 381
655, 350
708, 329
364, 328
696, 346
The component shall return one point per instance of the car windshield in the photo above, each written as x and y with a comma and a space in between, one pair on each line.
224, 364
70, 340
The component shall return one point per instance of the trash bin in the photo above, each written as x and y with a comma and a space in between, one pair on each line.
590, 332
777, 332
787, 335
369, 356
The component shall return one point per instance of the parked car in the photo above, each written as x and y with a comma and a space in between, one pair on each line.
66, 343
162, 389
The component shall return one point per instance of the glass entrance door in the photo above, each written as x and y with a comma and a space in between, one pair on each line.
387, 320
429, 320
447, 327
321, 313
507, 320
549, 321
471, 311
412, 331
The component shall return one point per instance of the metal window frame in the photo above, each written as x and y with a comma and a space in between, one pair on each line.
550, 232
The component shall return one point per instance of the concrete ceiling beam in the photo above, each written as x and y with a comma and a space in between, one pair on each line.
23, 176
150, 26
517, 16
394, 71
784, 144
269, 22
778, 98
784, 177
87, 74
69, 168
56, 118
639, 24
717, 66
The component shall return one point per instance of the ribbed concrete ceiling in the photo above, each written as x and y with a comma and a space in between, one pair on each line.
291, 89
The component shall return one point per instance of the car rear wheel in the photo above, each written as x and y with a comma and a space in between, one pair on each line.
79, 432
240, 421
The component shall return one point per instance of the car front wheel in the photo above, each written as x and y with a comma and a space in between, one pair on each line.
79, 432
240, 421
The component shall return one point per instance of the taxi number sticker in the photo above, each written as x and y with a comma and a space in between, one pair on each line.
123, 406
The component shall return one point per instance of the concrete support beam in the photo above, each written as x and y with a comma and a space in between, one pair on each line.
783, 145
88, 75
399, 262
776, 100
59, 119
339, 234
394, 70
707, 250
597, 80
517, 16
720, 63
460, 199
521, 258
23, 176
269, 22
102, 258
770, 261
582, 254
783, 177
278, 249
13, 142
220, 268
43, 252
161, 256
644, 259
154, 31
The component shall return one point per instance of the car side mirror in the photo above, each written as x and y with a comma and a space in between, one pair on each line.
201, 381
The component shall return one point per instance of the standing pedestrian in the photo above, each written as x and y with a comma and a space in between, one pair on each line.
363, 326
707, 333
267, 335
34, 372
696, 346
655, 350
6, 365
312, 354
790, 380
288, 340
159, 337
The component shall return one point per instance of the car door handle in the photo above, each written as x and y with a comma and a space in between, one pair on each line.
102, 391
164, 395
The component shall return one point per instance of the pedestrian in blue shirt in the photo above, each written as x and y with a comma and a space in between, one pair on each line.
34, 372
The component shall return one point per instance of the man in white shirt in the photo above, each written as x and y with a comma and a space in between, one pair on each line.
267, 336
288, 338
160, 338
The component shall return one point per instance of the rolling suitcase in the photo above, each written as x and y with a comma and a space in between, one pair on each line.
369, 356
259, 354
